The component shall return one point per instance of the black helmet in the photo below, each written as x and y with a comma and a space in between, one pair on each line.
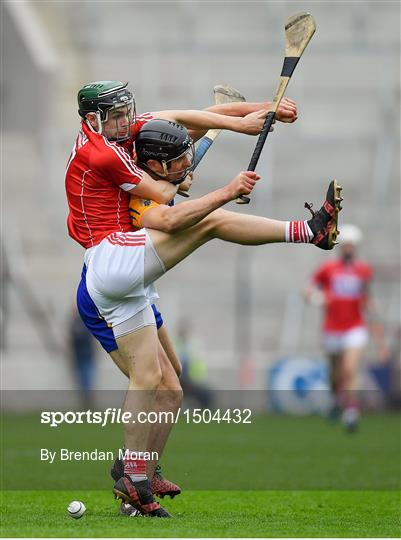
161, 140
164, 141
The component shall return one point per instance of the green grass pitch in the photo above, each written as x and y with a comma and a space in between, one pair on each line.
209, 514
279, 477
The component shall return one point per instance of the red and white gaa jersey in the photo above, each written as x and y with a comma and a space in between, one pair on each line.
100, 173
344, 286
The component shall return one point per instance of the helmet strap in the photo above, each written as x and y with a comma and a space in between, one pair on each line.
99, 121
166, 173
161, 176
165, 169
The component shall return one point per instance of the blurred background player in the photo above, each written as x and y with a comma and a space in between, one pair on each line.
341, 287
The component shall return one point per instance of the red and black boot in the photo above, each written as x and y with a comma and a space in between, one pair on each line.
162, 487
324, 223
139, 495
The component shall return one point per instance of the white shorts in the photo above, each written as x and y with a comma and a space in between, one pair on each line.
116, 273
335, 342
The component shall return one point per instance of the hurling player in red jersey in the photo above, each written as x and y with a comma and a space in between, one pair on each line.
101, 173
341, 287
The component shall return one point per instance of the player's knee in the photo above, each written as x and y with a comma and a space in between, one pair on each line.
170, 384
148, 379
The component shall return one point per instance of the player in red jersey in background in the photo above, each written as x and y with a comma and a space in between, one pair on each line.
341, 287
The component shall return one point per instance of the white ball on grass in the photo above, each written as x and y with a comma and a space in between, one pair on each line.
76, 509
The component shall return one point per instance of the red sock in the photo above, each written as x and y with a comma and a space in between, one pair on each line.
298, 232
135, 465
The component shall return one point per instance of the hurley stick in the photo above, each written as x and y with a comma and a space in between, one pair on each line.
298, 32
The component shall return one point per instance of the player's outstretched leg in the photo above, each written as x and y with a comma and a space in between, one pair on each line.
324, 223
245, 229
321, 230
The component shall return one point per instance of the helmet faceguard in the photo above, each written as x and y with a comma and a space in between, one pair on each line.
104, 96
190, 153
165, 142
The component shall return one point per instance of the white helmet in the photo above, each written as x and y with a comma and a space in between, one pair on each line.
350, 234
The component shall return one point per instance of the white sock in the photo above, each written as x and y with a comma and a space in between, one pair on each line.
298, 232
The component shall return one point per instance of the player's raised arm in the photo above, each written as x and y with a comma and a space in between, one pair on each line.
250, 124
186, 214
286, 112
